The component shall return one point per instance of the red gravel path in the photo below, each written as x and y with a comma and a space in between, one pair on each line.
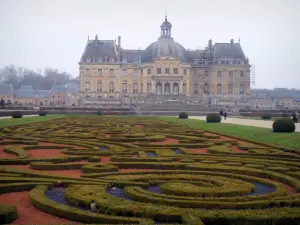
27, 214
44, 153
105, 159
198, 150
167, 141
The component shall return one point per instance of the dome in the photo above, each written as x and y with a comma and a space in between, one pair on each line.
164, 47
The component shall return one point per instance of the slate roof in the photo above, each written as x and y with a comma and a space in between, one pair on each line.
130, 56
228, 51
97, 51
70, 88
28, 92
100, 50
6, 89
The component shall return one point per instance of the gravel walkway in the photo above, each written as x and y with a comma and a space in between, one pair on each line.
246, 122
9, 117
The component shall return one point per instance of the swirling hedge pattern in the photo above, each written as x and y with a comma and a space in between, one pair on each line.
147, 171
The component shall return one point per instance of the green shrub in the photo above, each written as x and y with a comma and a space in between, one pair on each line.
213, 118
8, 214
42, 113
17, 114
266, 116
285, 125
183, 115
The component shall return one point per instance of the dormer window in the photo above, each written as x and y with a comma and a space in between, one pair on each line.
135, 60
100, 59
124, 60
88, 59
111, 60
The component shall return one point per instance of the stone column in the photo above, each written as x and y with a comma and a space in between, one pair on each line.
163, 87
180, 83
153, 86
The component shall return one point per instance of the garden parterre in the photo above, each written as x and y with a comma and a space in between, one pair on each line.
145, 171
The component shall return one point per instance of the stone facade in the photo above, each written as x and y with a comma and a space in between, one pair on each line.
164, 68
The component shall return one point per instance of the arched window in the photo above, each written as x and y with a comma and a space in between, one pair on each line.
88, 59
135, 60
124, 60
100, 59
111, 60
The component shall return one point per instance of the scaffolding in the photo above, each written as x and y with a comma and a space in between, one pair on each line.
252, 75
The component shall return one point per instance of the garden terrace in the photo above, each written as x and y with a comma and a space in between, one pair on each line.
143, 170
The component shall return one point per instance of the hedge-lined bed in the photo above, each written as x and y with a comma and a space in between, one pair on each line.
146, 171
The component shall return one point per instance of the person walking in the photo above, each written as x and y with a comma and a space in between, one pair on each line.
221, 113
225, 115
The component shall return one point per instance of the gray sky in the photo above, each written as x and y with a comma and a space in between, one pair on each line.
53, 33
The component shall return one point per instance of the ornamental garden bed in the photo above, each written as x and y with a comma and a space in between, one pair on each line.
141, 170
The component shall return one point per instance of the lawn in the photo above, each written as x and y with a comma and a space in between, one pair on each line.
26, 120
251, 133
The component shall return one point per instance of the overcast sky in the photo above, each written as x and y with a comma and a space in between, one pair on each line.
53, 33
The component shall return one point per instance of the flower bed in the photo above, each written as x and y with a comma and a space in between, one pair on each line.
145, 171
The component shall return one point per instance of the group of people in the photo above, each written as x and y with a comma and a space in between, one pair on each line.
223, 113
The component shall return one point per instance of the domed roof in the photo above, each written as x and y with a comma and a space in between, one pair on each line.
165, 47
166, 23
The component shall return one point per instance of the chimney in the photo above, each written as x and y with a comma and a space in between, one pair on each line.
119, 42
210, 43
231, 41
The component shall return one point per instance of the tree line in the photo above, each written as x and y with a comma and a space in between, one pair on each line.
39, 79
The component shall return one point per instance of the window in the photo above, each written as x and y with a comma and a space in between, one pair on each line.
124, 87
158, 70
99, 59
206, 73
219, 89
242, 74
184, 88
99, 86
230, 73
167, 71
88, 72
135, 88
111, 72
195, 88
206, 89
149, 71
125, 72
230, 89
219, 73
184, 72
87, 86
242, 89
99, 72
124, 60
142, 72
111, 60
175, 70
88, 59
111, 86
135, 72
142, 88
148, 87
